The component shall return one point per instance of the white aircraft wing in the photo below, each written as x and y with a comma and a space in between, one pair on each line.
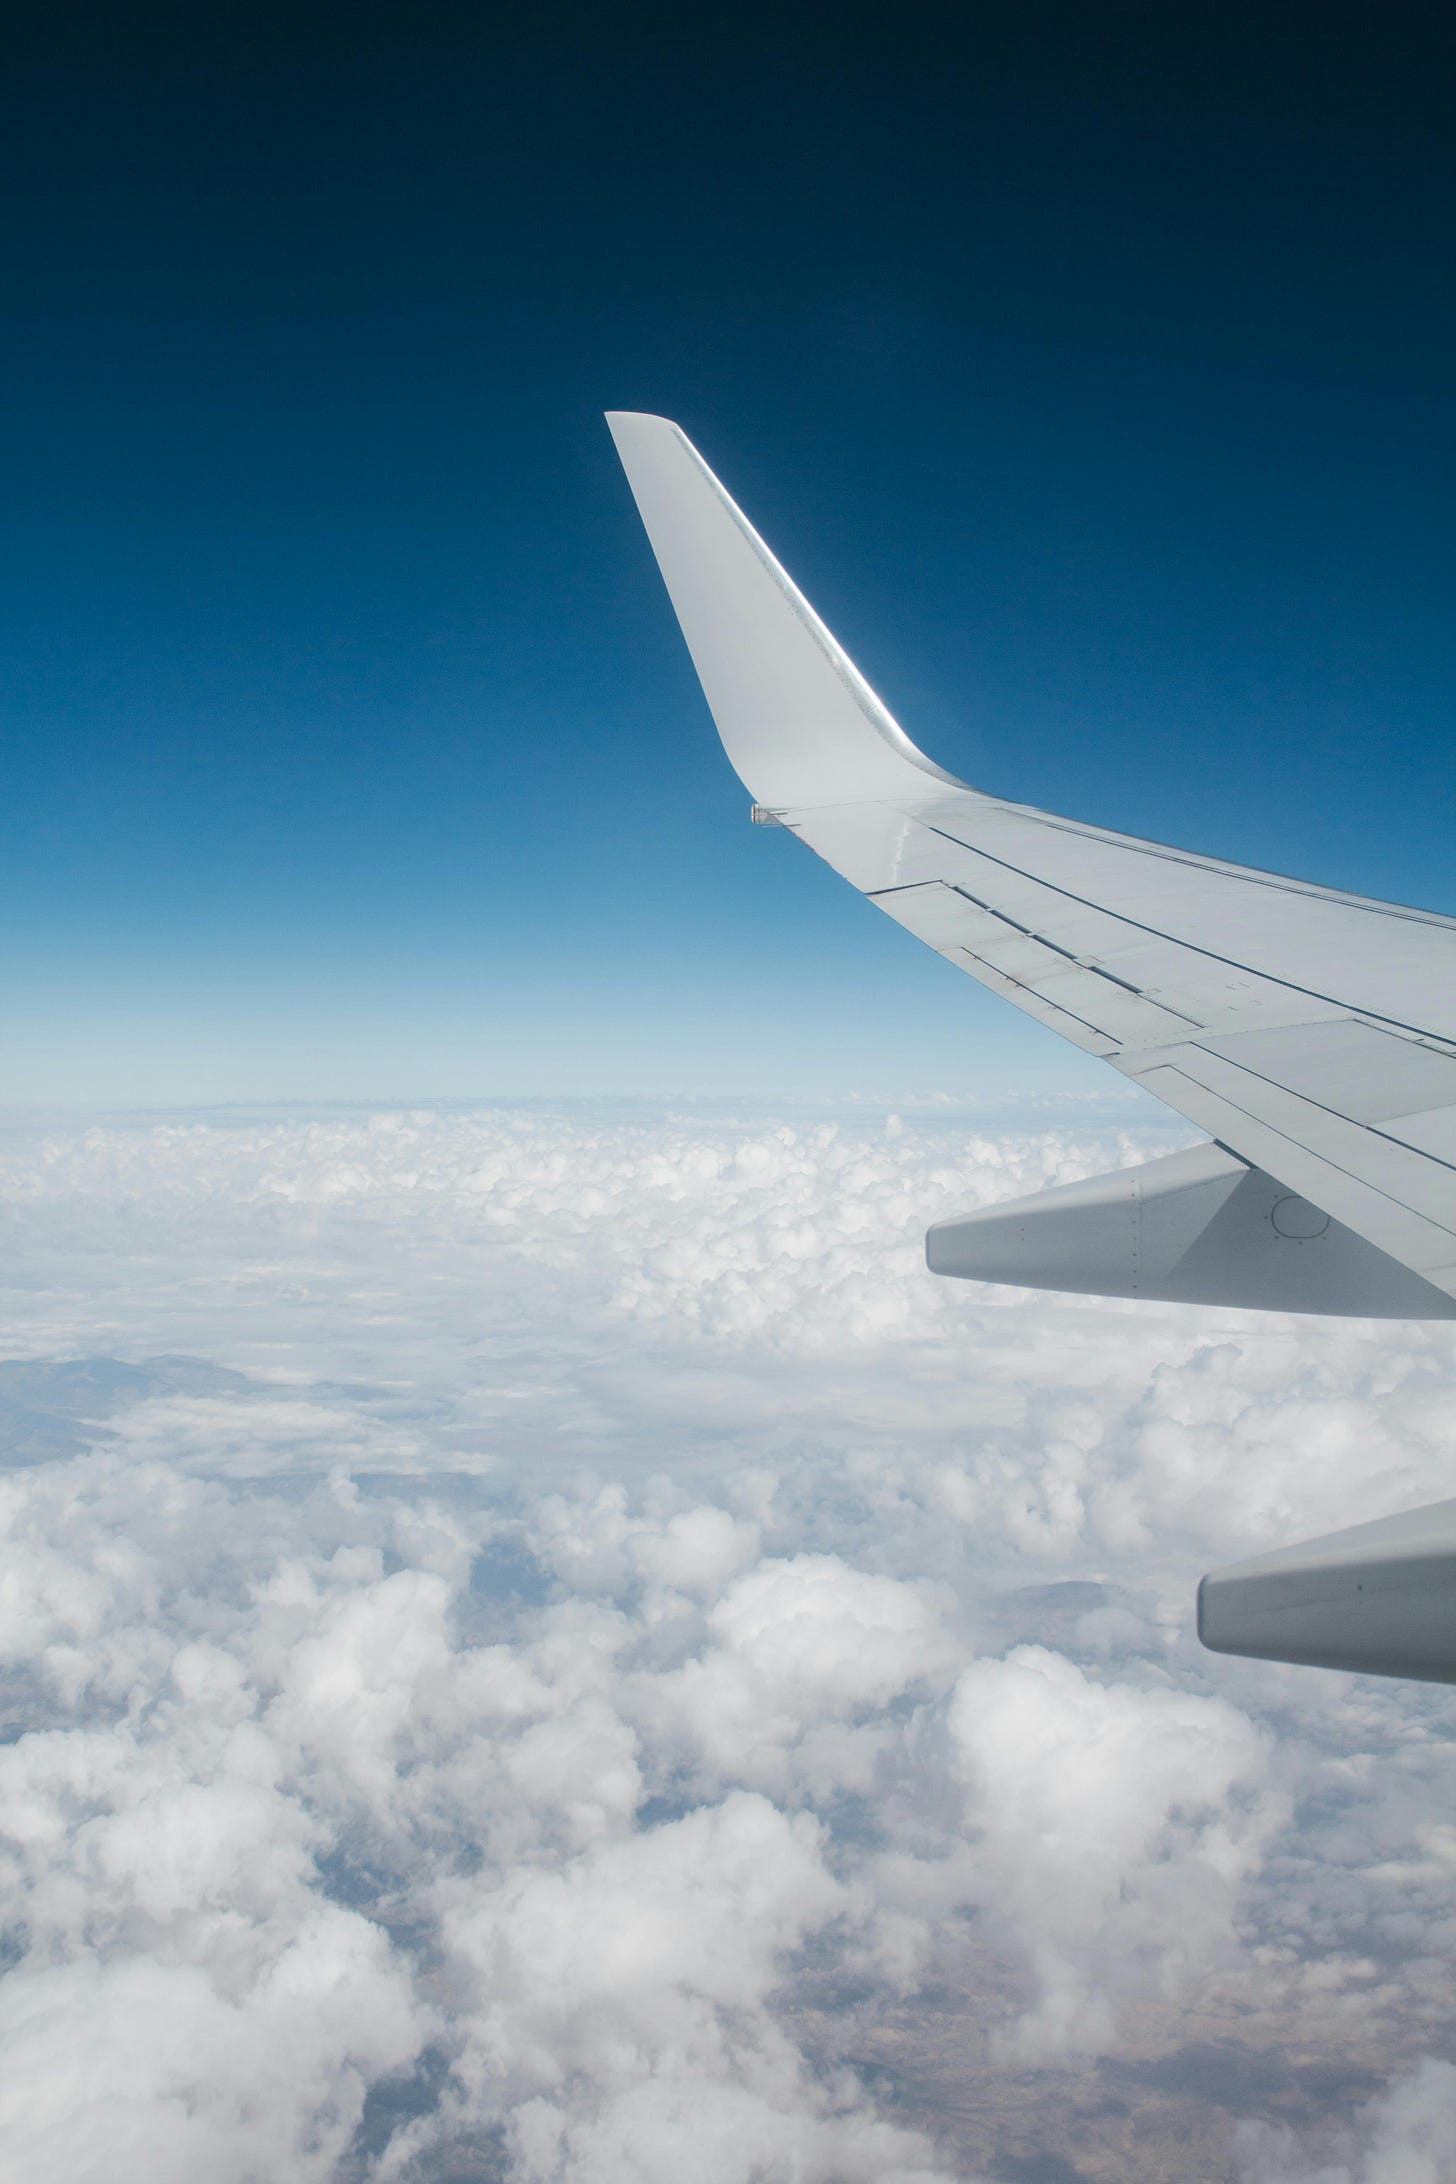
1311, 1034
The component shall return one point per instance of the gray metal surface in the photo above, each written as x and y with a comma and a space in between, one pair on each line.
1197, 1227
1379, 1598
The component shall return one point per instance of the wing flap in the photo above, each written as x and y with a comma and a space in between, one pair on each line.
1379, 1075
1433, 1132
1409, 1178
1277, 1139
1376, 958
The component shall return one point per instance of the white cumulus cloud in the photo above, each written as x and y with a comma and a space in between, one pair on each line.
546, 1646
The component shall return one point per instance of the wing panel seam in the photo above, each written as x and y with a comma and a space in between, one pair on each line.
1323, 1107
1310, 1152
1233, 963
1280, 883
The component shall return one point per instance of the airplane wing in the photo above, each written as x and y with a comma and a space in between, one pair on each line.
1311, 1034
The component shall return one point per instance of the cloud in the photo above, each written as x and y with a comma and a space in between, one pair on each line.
790, 1692
1113, 1828
1407, 2136
547, 1646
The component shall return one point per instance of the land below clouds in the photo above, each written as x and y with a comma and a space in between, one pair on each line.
563, 1601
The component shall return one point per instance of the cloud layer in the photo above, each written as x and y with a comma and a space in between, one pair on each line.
544, 1645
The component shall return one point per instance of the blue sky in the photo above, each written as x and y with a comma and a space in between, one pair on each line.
1091, 375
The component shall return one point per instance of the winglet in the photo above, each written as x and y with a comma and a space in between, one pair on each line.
799, 722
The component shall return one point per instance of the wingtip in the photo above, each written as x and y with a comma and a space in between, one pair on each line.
617, 417
798, 721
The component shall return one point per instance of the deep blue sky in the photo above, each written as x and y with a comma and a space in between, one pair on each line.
1091, 369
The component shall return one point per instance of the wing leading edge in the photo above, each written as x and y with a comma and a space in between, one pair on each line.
1312, 1034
